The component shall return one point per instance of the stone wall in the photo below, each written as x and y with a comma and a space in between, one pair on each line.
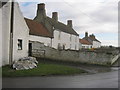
82, 56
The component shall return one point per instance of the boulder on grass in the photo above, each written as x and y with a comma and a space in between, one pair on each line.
25, 63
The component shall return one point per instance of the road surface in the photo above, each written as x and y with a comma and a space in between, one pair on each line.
99, 80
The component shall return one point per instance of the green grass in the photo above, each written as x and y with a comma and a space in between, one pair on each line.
43, 69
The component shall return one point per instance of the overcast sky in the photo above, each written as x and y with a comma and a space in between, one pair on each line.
99, 17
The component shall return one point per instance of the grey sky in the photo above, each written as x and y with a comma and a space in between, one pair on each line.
95, 16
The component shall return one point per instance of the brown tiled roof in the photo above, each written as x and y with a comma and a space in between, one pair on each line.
37, 28
83, 41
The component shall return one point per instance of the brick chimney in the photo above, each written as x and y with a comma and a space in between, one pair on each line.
86, 34
92, 36
55, 16
69, 23
41, 10
41, 6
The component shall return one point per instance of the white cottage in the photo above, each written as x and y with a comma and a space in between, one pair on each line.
18, 31
85, 44
64, 36
37, 32
15, 33
90, 41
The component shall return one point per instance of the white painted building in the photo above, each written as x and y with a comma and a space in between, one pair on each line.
13, 25
64, 37
96, 44
90, 41
38, 33
51, 32
65, 41
46, 41
85, 44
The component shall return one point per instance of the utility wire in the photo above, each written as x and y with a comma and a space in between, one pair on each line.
82, 13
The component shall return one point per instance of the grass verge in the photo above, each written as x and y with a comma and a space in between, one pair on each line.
43, 69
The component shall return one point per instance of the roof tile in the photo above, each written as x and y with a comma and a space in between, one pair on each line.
37, 28
83, 41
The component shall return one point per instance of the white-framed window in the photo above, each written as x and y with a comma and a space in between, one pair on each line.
19, 44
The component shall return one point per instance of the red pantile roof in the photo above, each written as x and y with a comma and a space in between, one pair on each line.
37, 28
83, 41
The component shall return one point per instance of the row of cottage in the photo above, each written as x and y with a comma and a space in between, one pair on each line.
17, 33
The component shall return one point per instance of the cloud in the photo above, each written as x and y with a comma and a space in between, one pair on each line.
94, 16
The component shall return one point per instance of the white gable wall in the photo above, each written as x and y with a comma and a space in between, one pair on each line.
45, 40
21, 31
96, 44
63, 38
86, 46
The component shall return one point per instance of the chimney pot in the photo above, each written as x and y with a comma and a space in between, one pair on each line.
86, 34
41, 10
41, 6
55, 16
69, 23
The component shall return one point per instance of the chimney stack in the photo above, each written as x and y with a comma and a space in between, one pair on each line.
55, 16
41, 10
92, 36
41, 6
86, 34
69, 23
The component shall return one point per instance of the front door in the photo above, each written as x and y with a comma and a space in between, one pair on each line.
30, 49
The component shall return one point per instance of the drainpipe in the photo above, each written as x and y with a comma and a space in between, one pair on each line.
11, 33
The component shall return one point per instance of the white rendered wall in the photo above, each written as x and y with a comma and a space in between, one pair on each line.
65, 40
45, 40
96, 44
86, 46
5, 32
21, 31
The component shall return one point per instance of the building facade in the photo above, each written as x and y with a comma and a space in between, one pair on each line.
90, 41
15, 33
85, 44
64, 36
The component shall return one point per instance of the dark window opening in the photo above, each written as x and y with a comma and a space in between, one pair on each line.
19, 44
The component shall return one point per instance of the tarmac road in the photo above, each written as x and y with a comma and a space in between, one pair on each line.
99, 80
